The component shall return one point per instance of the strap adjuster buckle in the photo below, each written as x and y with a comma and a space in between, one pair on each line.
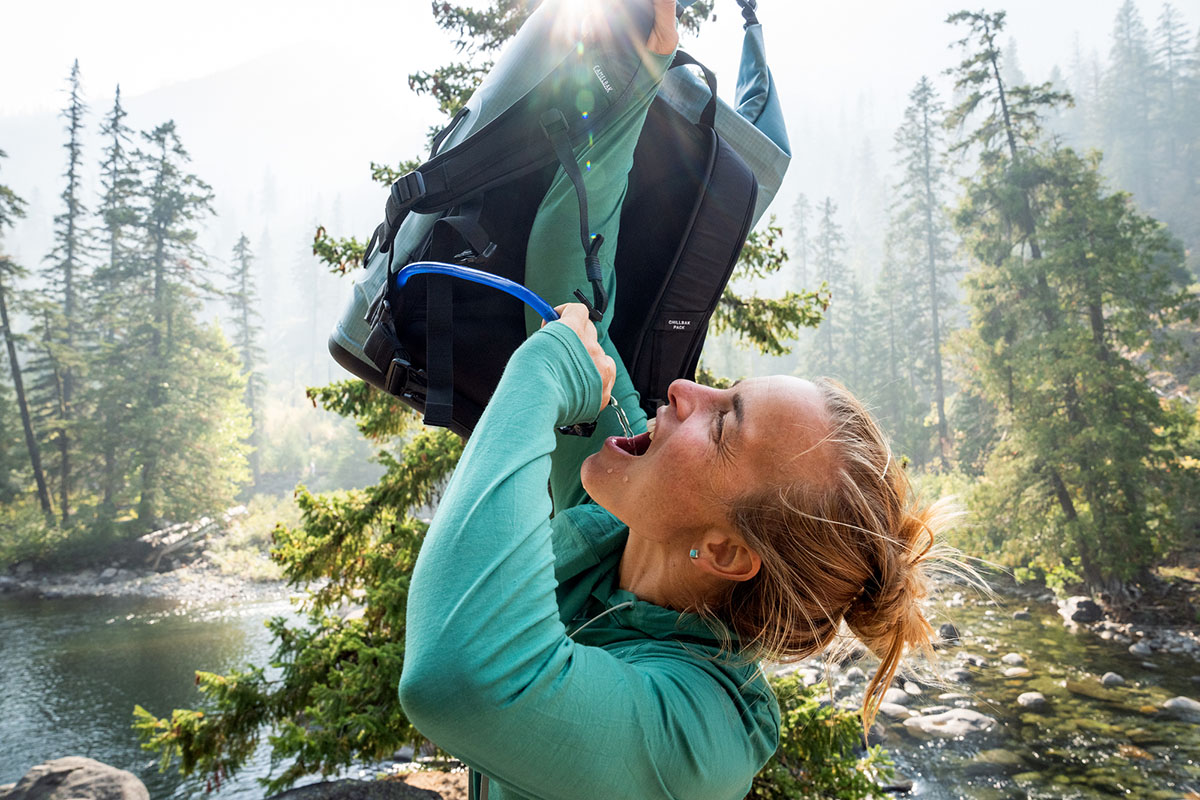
404, 380
406, 191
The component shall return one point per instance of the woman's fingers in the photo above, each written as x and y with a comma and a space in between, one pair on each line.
663, 37
575, 316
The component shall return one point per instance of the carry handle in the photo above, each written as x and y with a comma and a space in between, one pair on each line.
709, 115
518, 291
749, 9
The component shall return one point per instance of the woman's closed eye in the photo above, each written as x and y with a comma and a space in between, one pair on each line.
719, 431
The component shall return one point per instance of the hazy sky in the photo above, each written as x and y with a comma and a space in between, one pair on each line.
307, 94
148, 44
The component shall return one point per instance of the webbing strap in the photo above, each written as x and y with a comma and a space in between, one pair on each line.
555, 126
439, 350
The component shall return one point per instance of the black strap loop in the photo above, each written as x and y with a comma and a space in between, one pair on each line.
708, 116
555, 126
749, 7
439, 350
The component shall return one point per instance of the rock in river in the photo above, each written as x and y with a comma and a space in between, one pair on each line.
1141, 649
894, 711
1112, 679
951, 724
1031, 700
1013, 660
958, 675
949, 633
1184, 707
1081, 609
897, 696
77, 778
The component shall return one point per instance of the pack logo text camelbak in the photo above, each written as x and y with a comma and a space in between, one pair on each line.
603, 79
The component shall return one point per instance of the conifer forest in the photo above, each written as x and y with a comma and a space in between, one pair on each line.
1002, 259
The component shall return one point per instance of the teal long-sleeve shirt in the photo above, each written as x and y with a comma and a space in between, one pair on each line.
525, 659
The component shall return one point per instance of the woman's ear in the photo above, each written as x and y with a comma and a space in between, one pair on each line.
727, 557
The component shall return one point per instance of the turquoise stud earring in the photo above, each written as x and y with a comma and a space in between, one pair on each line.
693, 553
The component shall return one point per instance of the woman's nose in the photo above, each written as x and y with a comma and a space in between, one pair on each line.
684, 396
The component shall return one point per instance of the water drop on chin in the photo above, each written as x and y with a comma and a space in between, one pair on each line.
610, 470
625, 479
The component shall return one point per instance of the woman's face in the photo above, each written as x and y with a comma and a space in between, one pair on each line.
710, 447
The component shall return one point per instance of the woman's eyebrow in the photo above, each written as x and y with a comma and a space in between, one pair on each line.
738, 409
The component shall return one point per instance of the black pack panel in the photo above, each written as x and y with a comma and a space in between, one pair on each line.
686, 216
488, 324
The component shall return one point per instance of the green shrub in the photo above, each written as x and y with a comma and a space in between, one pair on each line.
820, 752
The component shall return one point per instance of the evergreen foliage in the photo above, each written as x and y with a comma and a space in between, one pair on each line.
115, 280
920, 239
11, 208
247, 331
1070, 285
59, 369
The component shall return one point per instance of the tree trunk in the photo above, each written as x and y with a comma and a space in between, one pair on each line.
35, 458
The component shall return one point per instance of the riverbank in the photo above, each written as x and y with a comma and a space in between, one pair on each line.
201, 582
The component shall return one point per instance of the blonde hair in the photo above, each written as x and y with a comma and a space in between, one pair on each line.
855, 547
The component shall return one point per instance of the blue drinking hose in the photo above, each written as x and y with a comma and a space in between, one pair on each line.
518, 291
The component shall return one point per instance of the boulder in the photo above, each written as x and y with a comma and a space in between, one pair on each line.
1184, 707
1031, 700
1013, 660
77, 778
949, 633
357, 790
950, 724
1081, 609
1022, 615
1016, 672
912, 688
855, 675
897, 696
1112, 679
1141, 649
895, 711
958, 675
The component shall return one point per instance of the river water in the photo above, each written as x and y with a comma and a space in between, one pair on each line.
71, 671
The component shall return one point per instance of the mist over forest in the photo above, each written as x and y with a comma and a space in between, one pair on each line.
990, 232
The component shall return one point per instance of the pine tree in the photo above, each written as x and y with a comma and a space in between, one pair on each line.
116, 283
1000, 198
11, 208
1176, 162
829, 251
922, 230
1129, 90
246, 332
61, 315
173, 201
801, 222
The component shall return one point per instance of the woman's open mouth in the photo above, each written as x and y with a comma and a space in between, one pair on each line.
634, 446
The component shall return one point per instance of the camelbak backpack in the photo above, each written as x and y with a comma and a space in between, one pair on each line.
703, 172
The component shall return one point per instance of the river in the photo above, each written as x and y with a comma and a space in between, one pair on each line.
71, 671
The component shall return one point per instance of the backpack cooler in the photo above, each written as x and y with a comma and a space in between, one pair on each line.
703, 172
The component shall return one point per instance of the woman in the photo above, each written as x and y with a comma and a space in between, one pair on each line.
607, 649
